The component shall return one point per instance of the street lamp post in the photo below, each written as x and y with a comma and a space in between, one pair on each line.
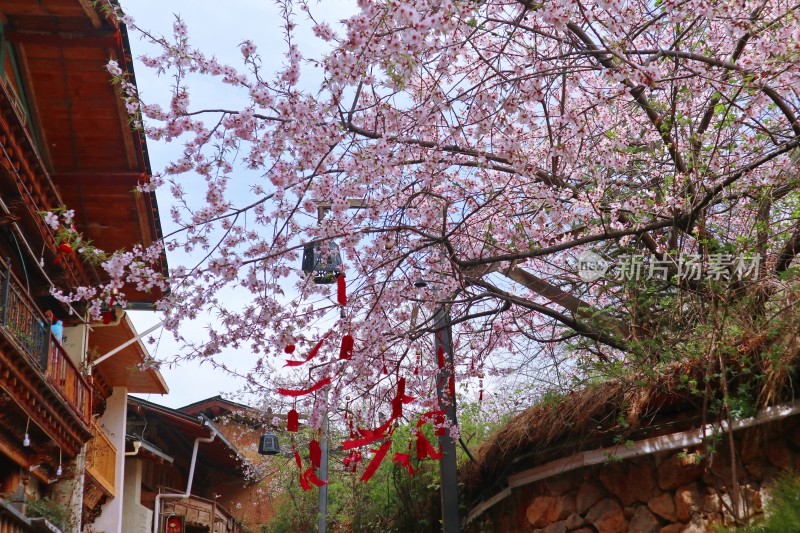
443, 337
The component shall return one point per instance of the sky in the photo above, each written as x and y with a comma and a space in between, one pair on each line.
218, 28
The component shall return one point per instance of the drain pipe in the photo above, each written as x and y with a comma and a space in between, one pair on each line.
178, 495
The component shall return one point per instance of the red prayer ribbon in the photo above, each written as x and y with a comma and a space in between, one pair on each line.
404, 459
314, 351
311, 476
376, 461
346, 350
425, 449
341, 293
440, 357
292, 421
315, 453
302, 392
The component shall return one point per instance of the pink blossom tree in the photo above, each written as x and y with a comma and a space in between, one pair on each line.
488, 147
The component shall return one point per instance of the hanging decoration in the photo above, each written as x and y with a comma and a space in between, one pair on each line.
64, 250
346, 350
380, 453
341, 290
292, 421
302, 392
314, 351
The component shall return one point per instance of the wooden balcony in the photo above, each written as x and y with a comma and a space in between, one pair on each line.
24, 326
201, 512
101, 460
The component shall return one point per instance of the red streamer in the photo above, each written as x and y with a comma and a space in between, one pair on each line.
346, 350
302, 392
341, 293
315, 453
404, 459
440, 357
292, 421
311, 476
425, 449
376, 461
314, 351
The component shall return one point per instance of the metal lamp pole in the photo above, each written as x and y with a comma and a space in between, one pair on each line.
443, 336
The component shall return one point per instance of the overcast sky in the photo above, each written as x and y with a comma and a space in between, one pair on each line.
217, 28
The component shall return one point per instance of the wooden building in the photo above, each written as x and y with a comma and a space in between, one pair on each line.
66, 142
180, 467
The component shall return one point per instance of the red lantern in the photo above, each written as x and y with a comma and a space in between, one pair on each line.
174, 524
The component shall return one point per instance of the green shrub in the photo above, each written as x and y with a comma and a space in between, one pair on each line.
783, 512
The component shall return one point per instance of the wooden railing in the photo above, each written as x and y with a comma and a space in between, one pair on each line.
200, 511
64, 374
28, 329
101, 460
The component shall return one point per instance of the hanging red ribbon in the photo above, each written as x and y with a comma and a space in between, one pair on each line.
440, 357
302, 392
368, 436
346, 350
109, 315
303, 481
440, 430
315, 453
314, 351
425, 449
292, 421
376, 461
341, 292
404, 460
311, 476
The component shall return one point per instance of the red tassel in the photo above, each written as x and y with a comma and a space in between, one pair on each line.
385, 370
376, 461
480, 396
292, 421
346, 350
341, 293
416, 370
318, 385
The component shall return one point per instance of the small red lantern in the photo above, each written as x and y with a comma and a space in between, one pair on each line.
174, 524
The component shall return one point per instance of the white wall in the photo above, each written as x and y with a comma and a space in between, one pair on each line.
137, 518
113, 424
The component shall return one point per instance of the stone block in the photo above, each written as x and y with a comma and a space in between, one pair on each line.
630, 482
778, 453
556, 527
678, 470
663, 506
687, 502
574, 521
644, 521
606, 516
588, 495
544, 510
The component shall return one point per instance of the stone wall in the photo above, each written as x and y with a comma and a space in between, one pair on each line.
681, 491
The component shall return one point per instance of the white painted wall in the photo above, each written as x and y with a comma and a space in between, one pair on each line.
136, 517
113, 424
